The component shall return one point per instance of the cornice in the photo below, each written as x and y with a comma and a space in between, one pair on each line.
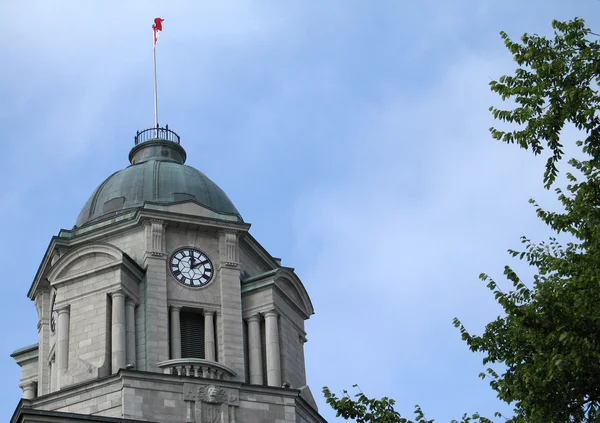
258, 250
123, 223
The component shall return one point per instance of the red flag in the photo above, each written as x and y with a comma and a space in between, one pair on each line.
157, 26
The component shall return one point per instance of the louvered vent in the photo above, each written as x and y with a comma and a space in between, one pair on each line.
192, 334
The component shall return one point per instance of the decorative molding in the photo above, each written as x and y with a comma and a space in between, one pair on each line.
64, 309
254, 318
212, 394
231, 243
127, 221
57, 253
113, 254
192, 237
155, 240
118, 293
210, 403
271, 313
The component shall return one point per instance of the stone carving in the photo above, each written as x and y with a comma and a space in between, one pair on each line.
233, 399
192, 237
231, 248
211, 413
212, 395
210, 403
209, 394
155, 239
56, 254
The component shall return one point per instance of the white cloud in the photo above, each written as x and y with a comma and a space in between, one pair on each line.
428, 202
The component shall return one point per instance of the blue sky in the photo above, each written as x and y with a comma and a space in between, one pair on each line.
352, 135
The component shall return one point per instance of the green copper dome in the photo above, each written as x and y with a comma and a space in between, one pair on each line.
157, 175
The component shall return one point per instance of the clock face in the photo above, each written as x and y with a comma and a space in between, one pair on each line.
53, 314
191, 267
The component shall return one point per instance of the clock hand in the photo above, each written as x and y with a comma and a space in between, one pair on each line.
197, 264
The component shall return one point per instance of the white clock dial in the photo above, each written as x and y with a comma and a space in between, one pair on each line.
191, 267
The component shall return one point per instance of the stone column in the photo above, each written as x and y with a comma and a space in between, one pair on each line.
119, 334
29, 390
272, 344
130, 331
209, 335
255, 350
62, 344
175, 333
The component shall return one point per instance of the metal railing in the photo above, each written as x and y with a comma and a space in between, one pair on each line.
157, 133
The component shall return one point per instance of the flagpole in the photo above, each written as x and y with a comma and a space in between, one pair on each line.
155, 86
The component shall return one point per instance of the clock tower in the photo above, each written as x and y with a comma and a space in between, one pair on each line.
159, 306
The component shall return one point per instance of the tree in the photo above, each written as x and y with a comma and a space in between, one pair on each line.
546, 344
369, 410
548, 340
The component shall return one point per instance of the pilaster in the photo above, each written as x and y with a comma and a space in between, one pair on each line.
42, 305
155, 301
231, 303
219, 335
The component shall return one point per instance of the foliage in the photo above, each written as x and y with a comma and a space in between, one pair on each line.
556, 83
369, 410
548, 339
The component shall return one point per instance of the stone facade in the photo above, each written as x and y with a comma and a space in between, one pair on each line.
116, 327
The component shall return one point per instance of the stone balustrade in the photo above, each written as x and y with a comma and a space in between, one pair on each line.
197, 367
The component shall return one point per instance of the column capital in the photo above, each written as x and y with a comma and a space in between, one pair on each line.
43, 288
118, 293
29, 390
64, 309
254, 318
271, 313
28, 384
176, 308
129, 302
208, 312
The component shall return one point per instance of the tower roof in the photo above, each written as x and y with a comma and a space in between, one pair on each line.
157, 174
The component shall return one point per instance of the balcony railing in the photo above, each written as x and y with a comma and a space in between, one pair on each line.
156, 134
196, 367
